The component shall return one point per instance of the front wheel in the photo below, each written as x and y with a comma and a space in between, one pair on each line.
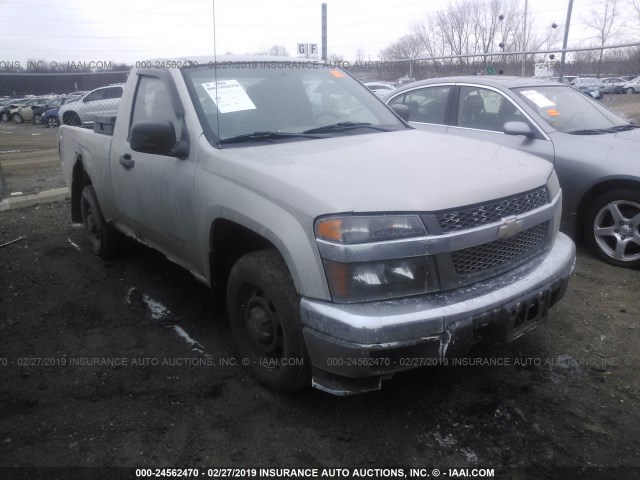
4, 117
105, 240
17, 118
264, 312
612, 227
53, 122
630, 90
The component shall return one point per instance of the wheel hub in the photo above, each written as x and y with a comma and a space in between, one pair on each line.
260, 326
616, 230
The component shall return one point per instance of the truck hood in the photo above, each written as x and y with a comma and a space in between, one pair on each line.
406, 170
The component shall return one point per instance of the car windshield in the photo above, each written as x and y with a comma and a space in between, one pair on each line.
283, 101
570, 111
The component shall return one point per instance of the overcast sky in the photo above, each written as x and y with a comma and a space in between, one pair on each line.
130, 30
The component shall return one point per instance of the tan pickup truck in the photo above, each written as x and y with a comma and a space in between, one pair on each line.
344, 244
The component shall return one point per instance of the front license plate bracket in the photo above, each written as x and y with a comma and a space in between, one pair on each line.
525, 315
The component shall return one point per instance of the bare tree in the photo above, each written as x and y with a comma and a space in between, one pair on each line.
278, 51
360, 55
408, 46
472, 27
427, 34
605, 22
635, 6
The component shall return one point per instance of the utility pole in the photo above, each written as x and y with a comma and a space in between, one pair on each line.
324, 31
524, 41
564, 41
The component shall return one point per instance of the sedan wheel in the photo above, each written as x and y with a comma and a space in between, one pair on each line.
17, 118
52, 122
630, 90
5, 117
613, 228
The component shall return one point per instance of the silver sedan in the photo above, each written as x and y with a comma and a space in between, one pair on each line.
596, 152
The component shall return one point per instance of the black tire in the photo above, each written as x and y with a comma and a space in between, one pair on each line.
612, 227
36, 118
264, 313
105, 240
72, 118
17, 118
53, 122
630, 90
4, 117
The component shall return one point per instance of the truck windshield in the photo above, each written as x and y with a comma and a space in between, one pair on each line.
240, 103
570, 111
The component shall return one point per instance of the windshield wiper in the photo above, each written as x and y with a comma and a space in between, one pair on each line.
261, 136
341, 126
624, 128
592, 131
600, 131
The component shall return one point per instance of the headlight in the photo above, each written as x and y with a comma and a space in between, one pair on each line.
366, 281
362, 229
394, 271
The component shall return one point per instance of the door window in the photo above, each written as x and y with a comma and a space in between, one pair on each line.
426, 105
153, 103
485, 109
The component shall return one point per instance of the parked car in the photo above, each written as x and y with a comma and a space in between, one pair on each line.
343, 250
50, 117
613, 85
381, 89
4, 107
587, 83
595, 151
102, 101
38, 111
10, 106
24, 112
632, 86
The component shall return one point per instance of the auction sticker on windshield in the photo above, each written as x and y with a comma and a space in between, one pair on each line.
229, 96
536, 97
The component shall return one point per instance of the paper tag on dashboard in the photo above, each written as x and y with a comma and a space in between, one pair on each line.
536, 97
229, 96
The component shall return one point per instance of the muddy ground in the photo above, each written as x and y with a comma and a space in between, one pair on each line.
121, 364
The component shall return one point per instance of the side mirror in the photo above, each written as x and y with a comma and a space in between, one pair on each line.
518, 128
401, 110
158, 138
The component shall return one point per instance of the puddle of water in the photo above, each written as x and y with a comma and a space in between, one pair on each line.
158, 312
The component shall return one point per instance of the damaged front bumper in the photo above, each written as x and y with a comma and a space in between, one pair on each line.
353, 346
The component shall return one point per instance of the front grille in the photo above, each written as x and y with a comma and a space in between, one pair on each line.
499, 252
479, 215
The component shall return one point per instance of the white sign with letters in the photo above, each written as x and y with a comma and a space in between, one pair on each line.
307, 49
229, 96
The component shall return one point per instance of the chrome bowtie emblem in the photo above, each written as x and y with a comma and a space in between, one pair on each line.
510, 227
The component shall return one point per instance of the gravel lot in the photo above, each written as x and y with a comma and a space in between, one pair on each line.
121, 364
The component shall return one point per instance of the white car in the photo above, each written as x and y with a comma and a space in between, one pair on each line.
381, 89
589, 85
613, 85
101, 102
632, 86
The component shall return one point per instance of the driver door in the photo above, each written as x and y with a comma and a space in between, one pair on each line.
154, 192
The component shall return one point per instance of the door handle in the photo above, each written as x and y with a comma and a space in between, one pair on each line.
127, 162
